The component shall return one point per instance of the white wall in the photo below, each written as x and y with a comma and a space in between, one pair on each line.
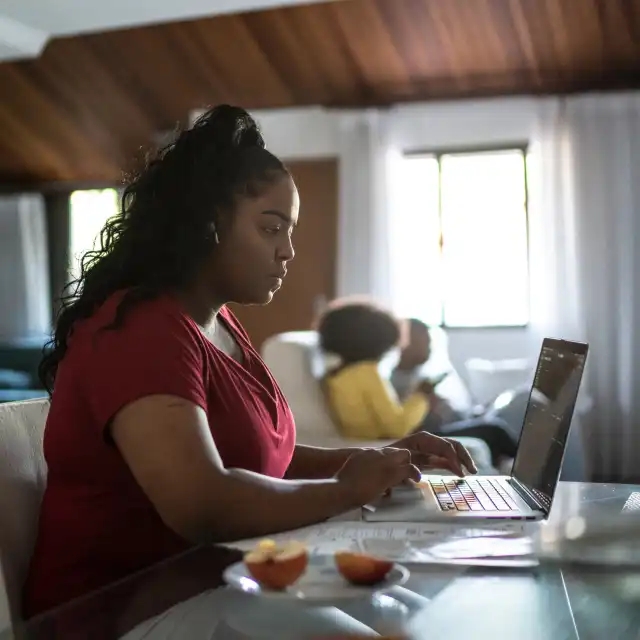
315, 133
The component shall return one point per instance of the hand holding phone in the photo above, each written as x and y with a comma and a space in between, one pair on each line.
434, 382
428, 386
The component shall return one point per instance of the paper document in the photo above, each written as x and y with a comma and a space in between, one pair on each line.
414, 543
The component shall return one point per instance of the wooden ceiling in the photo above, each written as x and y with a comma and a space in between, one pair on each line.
80, 111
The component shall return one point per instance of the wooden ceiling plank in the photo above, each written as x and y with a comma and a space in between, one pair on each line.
319, 32
622, 43
474, 34
631, 9
588, 41
90, 69
123, 65
223, 85
257, 81
450, 45
369, 42
99, 148
28, 150
496, 30
102, 108
48, 128
416, 38
276, 36
559, 33
525, 37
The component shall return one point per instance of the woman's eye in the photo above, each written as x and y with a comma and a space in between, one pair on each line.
272, 230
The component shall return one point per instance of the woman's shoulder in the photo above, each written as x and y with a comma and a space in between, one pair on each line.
126, 314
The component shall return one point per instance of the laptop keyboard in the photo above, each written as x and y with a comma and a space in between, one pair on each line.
474, 494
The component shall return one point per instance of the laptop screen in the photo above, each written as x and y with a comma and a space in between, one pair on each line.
548, 416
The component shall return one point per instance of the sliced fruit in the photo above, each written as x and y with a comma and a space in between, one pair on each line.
277, 566
361, 569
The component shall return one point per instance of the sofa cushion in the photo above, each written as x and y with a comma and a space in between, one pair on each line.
295, 363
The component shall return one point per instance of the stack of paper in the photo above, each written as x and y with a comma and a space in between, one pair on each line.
506, 544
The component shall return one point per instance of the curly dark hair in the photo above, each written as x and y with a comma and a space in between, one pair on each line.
169, 217
358, 330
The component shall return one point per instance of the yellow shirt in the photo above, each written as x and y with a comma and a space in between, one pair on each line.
365, 406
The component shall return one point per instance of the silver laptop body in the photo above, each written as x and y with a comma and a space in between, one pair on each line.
528, 493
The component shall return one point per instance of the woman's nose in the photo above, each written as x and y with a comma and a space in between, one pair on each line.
286, 251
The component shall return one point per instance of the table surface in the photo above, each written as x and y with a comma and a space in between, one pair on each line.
184, 598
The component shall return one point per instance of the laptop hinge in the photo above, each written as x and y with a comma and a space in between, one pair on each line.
528, 496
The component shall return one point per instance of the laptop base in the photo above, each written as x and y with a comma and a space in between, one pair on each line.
447, 498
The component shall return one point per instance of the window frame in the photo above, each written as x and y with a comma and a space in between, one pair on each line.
437, 153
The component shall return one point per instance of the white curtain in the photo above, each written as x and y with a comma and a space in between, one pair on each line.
585, 258
368, 158
25, 305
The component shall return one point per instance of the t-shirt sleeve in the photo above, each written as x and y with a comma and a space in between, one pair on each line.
156, 351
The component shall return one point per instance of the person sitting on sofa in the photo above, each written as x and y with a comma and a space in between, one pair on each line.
363, 403
408, 374
166, 429
407, 377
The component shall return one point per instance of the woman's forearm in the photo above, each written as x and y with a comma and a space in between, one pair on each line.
251, 505
317, 462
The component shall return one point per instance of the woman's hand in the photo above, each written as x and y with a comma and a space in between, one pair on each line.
429, 451
368, 473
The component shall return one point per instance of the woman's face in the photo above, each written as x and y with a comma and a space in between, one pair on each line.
250, 261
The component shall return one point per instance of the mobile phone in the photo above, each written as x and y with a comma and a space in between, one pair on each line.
434, 382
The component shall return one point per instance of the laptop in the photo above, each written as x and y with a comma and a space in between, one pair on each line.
528, 493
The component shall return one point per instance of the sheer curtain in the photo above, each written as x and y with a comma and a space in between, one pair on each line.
585, 258
24, 269
368, 163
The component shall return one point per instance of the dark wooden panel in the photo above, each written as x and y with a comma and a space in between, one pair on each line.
312, 271
89, 103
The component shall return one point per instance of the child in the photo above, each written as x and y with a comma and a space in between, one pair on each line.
408, 375
363, 403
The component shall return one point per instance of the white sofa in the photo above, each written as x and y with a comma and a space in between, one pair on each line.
298, 364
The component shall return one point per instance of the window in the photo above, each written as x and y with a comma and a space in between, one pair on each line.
461, 239
90, 210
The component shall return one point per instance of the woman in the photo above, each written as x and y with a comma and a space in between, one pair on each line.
166, 429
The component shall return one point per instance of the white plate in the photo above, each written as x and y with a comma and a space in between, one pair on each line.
320, 584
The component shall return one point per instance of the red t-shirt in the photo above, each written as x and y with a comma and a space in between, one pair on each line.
96, 524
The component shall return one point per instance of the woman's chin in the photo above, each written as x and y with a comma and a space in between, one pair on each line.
258, 297
259, 300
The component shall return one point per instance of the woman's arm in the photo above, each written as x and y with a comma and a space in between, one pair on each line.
167, 444
317, 462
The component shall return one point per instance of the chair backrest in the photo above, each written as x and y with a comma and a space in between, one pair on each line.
22, 482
